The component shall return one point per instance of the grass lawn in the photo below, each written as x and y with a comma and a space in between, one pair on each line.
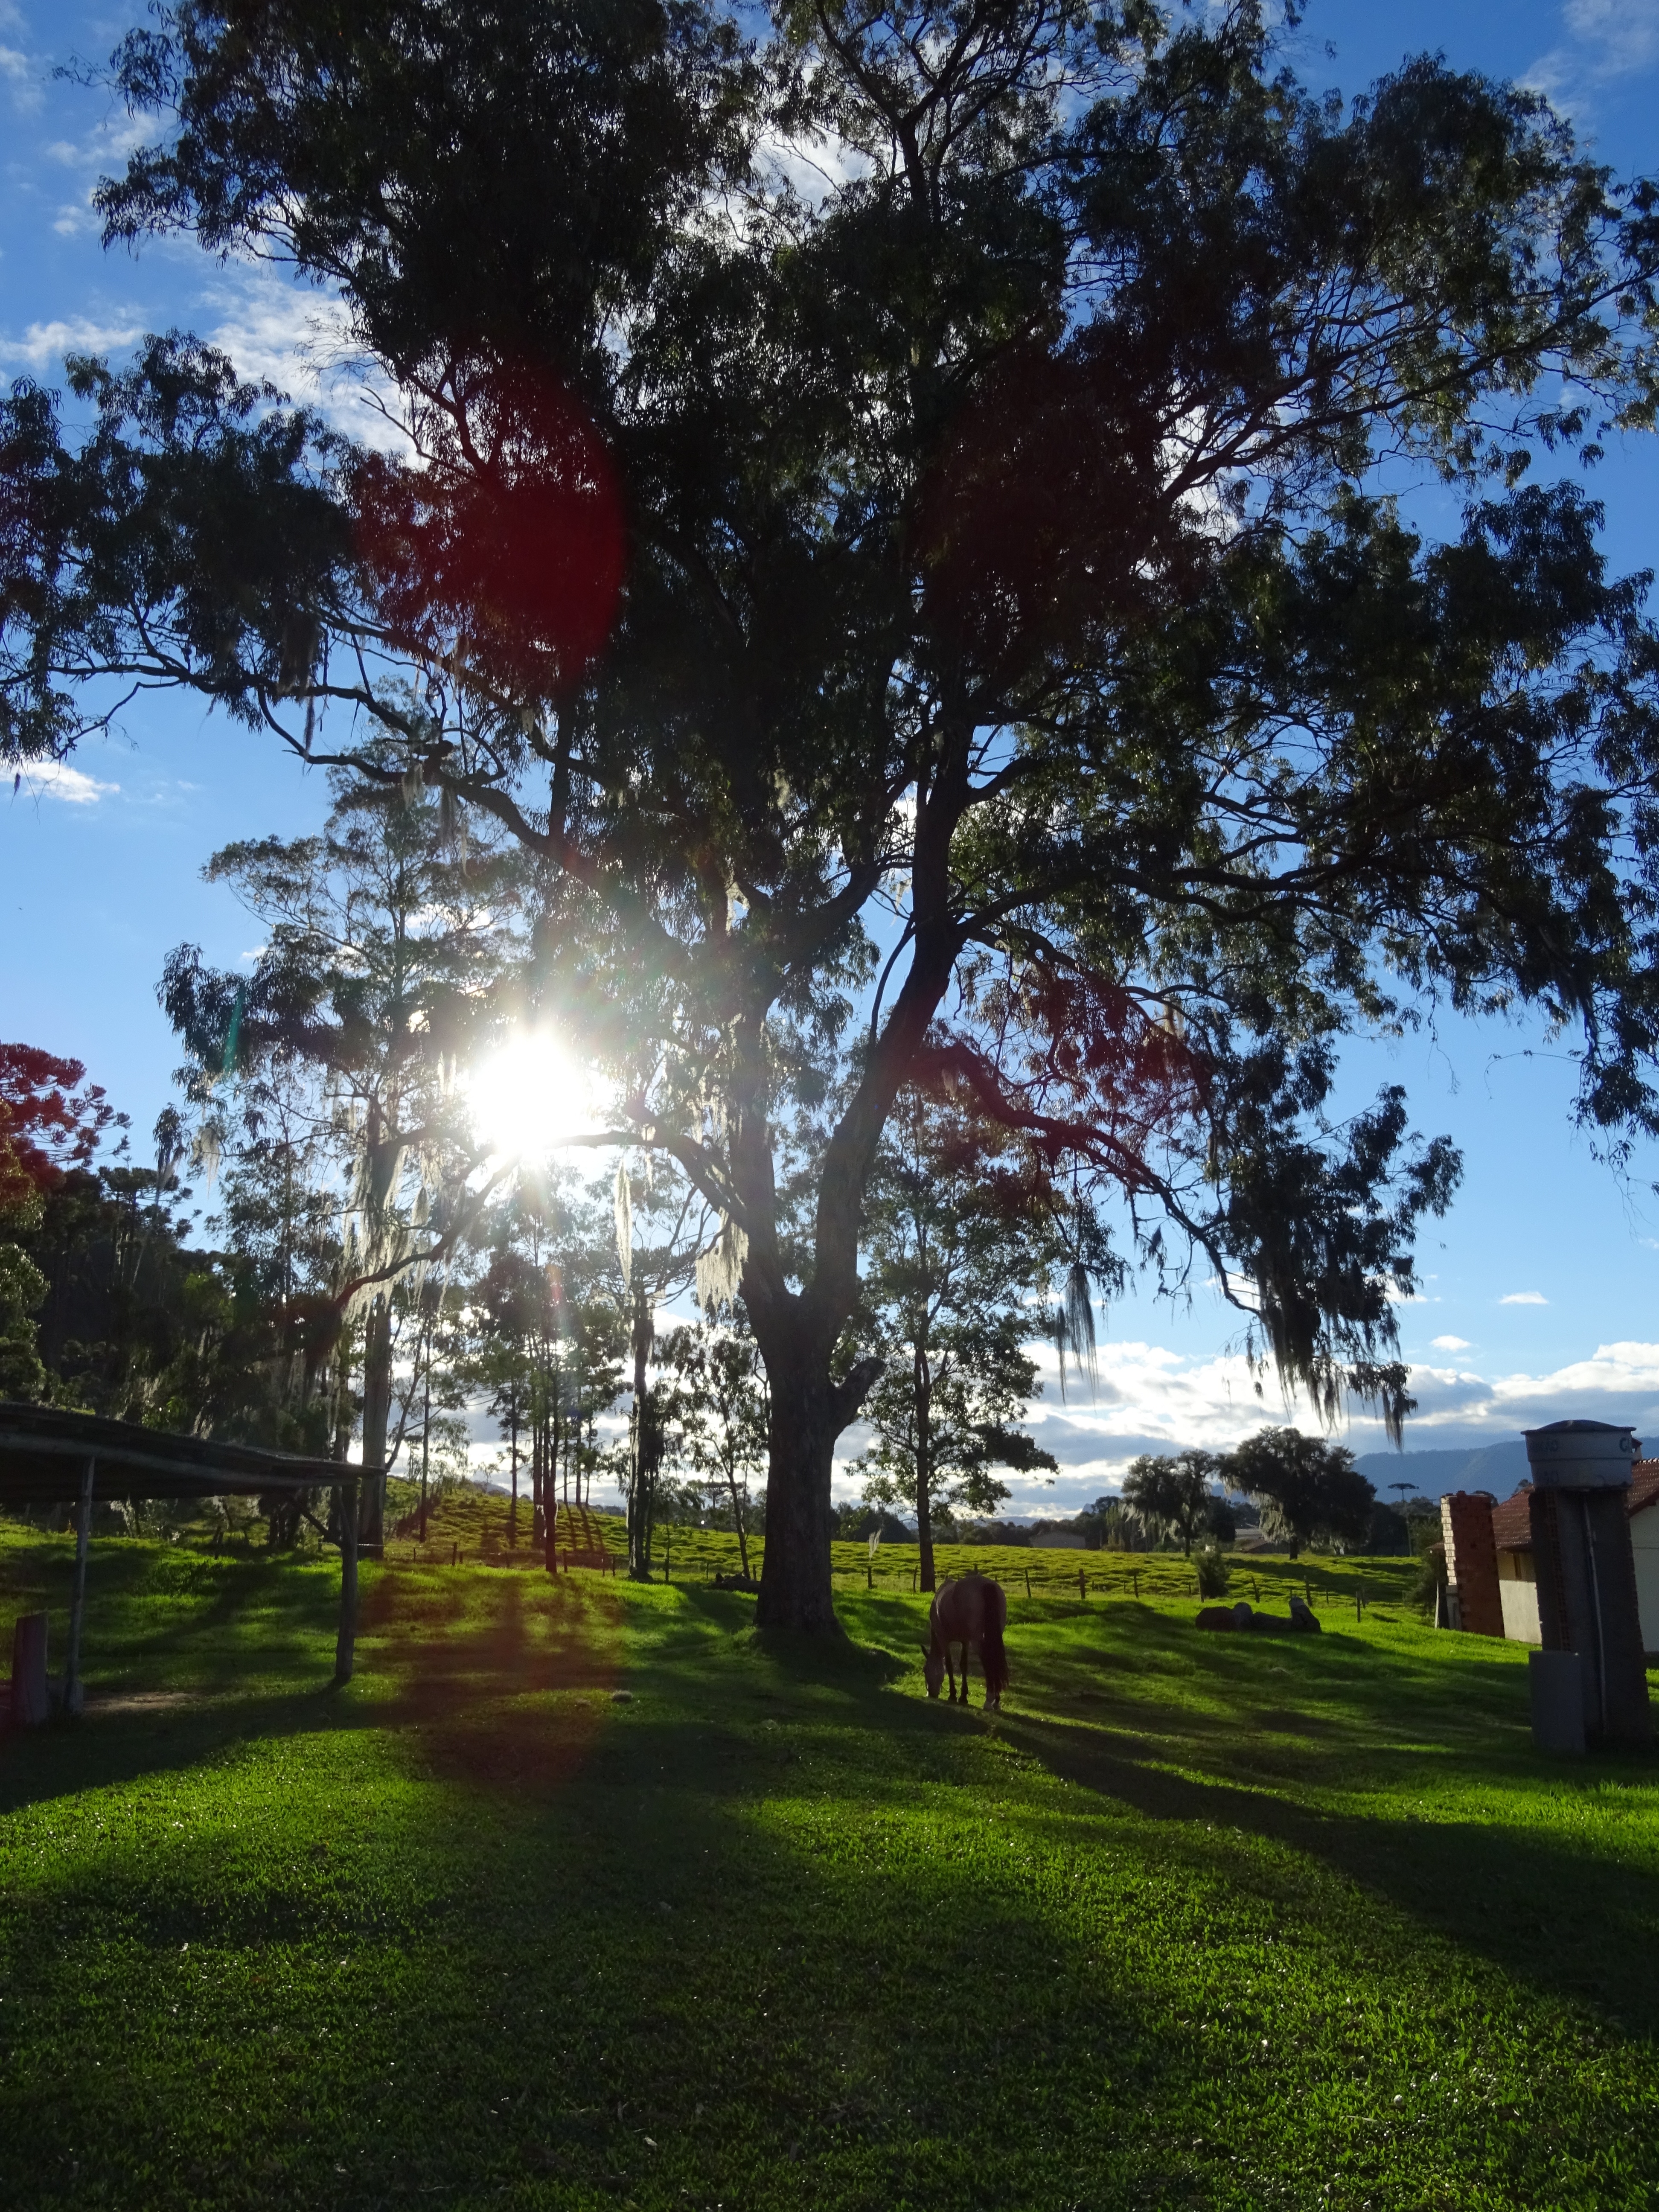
1202, 1921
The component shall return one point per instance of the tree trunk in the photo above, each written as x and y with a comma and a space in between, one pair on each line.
377, 1416
796, 1590
646, 1453
736, 1522
925, 1531
924, 1466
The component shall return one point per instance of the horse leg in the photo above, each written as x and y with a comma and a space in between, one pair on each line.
951, 1669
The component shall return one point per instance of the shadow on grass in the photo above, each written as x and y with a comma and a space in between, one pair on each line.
1557, 1917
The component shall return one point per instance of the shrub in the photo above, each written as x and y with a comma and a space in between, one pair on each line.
1430, 1578
1214, 1572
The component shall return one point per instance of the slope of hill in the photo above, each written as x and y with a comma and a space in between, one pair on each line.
1496, 1467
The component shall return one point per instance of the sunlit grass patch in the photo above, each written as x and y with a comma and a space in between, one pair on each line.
1199, 1920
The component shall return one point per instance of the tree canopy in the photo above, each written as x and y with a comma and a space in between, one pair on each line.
900, 520
1306, 1487
1168, 1493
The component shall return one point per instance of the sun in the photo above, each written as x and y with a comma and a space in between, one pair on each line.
529, 1098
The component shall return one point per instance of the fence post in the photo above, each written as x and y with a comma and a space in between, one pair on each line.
454, 1555
1135, 1577
1028, 1582
1082, 1586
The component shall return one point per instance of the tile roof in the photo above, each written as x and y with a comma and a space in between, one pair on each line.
1511, 1521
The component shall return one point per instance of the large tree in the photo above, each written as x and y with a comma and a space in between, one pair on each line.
1308, 1488
913, 481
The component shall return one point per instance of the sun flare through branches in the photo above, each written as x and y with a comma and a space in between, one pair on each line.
530, 1097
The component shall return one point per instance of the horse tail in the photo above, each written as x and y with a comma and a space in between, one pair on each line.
994, 1656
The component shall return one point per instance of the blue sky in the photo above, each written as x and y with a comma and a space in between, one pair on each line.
1539, 1288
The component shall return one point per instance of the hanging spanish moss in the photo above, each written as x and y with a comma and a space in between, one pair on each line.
624, 1197
1074, 1328
720, 1269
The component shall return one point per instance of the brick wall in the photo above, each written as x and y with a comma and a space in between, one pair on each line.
1472, 1560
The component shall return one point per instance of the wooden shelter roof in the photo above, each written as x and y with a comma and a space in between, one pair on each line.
43, 1453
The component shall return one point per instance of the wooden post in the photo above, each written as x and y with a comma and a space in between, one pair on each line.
345, 1644
1082, 1586
73, 1696
1135, 1577
31, 1703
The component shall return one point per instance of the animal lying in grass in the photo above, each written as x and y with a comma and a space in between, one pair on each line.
972, 1613
1302, 1617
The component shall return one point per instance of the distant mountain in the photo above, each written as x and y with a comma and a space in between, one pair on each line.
1500, 1469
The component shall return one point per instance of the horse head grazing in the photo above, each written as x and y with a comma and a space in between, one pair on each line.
933, 1669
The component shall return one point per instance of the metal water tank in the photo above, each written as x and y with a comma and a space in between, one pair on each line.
1587, 1601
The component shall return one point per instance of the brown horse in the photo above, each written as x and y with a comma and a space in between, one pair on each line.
972, 1613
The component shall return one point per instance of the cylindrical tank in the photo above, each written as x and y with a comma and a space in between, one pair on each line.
1587, 1601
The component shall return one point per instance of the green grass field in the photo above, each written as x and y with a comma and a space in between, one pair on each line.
1197, 1921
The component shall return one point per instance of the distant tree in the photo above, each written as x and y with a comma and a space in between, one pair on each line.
855, 1524
1306, 1487
719, 1405
507, 1304
1170, 1494
326, 1072
1109, 1525
1389, 1532
51, 1126
960, 1245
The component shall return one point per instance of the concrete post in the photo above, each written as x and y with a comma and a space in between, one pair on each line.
30, 1702
74, 1697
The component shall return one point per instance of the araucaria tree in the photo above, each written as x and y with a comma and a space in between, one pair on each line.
899, 482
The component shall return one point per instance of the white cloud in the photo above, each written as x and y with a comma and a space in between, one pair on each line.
1607, 40
56, 780
23, 77
1152, 1399
1450, 1343
44, 344
299, 339
1524, 1299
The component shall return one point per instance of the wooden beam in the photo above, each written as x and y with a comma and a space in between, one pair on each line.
74, 1697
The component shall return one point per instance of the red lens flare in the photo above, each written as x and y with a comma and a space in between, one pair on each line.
510, 546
